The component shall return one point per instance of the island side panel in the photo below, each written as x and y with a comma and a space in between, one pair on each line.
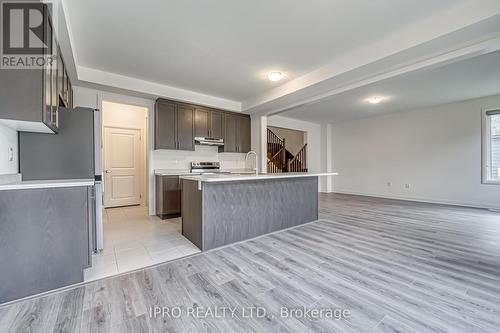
191, 211
238, 210
44, 241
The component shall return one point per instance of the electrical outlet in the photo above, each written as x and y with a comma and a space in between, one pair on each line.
389, 184
407, 186
11, 154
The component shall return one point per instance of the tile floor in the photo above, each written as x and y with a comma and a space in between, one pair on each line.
134, 240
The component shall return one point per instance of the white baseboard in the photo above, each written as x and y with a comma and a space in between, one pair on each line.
420, 199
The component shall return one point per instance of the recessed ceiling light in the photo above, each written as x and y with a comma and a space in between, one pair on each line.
275, 76
375, 99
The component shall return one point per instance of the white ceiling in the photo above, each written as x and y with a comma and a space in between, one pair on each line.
467, 79
224, 48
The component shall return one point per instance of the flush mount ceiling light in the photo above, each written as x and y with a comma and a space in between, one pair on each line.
275, 76
375, 99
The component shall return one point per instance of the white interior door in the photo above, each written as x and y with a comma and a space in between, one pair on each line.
122, 167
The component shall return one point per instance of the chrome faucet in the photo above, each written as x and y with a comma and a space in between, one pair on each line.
256, 161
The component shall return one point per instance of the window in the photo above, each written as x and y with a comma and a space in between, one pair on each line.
491, 146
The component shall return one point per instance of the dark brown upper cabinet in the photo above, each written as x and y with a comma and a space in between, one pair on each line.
50, 106
216, 124
185, 127
165, 125
64, 89
174, 125
177, 124
60, 77
244, 134
53, 89
202, 123
30, 99
208, 123
230, 133
237, 133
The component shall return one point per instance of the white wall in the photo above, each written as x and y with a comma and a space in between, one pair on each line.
326, 157
259, 139
8, 139
436, 150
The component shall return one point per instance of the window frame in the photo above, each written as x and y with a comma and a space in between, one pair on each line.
486, 147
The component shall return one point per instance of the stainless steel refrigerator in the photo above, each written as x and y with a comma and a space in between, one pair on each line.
72, 153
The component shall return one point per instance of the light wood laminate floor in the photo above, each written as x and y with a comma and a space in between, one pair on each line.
395, 266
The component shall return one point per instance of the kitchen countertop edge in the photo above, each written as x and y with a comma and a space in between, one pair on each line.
229, 178
173, 172
34, 184
181, 172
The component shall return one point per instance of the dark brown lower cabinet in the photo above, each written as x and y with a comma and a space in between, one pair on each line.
168, 196
44, 239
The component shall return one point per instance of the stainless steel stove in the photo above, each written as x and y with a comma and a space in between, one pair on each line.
205, 167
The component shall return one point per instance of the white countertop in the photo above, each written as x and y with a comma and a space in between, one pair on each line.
212, 178
171, 172
182, 172
32, 184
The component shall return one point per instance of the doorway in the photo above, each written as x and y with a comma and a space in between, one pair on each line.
124, 154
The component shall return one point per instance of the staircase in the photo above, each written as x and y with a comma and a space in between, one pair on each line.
299, 162
279, 159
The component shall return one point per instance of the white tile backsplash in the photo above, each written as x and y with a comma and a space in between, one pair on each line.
180, 159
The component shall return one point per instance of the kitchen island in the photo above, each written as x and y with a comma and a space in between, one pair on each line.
222, 209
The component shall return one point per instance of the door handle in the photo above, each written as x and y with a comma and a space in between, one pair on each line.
108, 171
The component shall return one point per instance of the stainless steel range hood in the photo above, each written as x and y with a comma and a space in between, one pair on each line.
208, 141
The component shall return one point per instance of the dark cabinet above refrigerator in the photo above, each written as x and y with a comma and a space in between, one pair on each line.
30, 98
68, 155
